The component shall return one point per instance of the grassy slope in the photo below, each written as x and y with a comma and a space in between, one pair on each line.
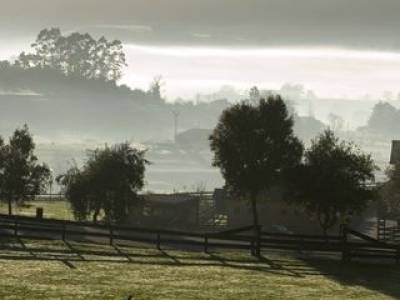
53, 270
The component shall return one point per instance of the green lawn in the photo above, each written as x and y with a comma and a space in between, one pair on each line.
51, 209
54, 270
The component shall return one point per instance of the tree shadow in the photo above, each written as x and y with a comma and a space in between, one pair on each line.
73, 250
381, 276
173, 258
69, 255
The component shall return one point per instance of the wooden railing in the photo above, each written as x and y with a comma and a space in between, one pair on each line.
351, 244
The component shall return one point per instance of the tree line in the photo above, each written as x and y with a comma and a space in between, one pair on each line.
105, 187
255, 148
21, 175
384, 120
75, 54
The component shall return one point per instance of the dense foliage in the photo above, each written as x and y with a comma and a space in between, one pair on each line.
108, 183
253, 145
21, 176
333, 180
75, 54
384, 119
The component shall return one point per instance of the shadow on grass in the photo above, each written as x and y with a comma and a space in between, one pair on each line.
69, 255
383, 278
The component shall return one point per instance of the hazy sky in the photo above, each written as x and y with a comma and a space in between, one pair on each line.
336, 47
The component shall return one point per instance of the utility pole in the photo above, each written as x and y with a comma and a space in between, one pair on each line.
175, 114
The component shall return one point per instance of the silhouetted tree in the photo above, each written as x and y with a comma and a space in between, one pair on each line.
384, 119
333, 180
108, 183
254, 94
253, 145
21, 176
76, 55
155, 88
47, 48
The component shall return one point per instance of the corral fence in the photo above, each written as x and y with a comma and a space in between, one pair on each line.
351, 244
387, 233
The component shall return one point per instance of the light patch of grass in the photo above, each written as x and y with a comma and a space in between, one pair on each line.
54, 270
54, 209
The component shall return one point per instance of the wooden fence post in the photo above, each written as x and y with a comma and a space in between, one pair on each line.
345, 250
255, 242
15, 226
111, 235
205, 243
252, 253
64, 229
258, 241
158, 240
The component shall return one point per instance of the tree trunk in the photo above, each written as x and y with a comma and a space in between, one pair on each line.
95, 215
322, 219
9, 207
256, 225
325, 231
326, 221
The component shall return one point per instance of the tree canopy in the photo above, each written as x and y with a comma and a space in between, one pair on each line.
21, 176
333, 179
253, 145
384, 119
75, 54
108, 183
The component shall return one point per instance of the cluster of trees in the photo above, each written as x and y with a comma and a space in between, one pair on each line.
76, 54
254, 146
332, 180
256, 149
384, 119
107, 184
64, 64
21, 175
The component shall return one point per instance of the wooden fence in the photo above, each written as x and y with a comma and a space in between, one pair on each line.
351, 244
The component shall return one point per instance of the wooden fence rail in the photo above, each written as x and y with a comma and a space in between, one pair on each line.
350, 245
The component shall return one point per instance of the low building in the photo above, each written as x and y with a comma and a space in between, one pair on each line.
170, 210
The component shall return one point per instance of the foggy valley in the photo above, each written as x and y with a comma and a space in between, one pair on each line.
199, 149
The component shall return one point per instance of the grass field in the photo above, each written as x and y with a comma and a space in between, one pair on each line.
51, 209
55, 270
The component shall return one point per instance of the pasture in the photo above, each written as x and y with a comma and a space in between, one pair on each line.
55, 209
71, 270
